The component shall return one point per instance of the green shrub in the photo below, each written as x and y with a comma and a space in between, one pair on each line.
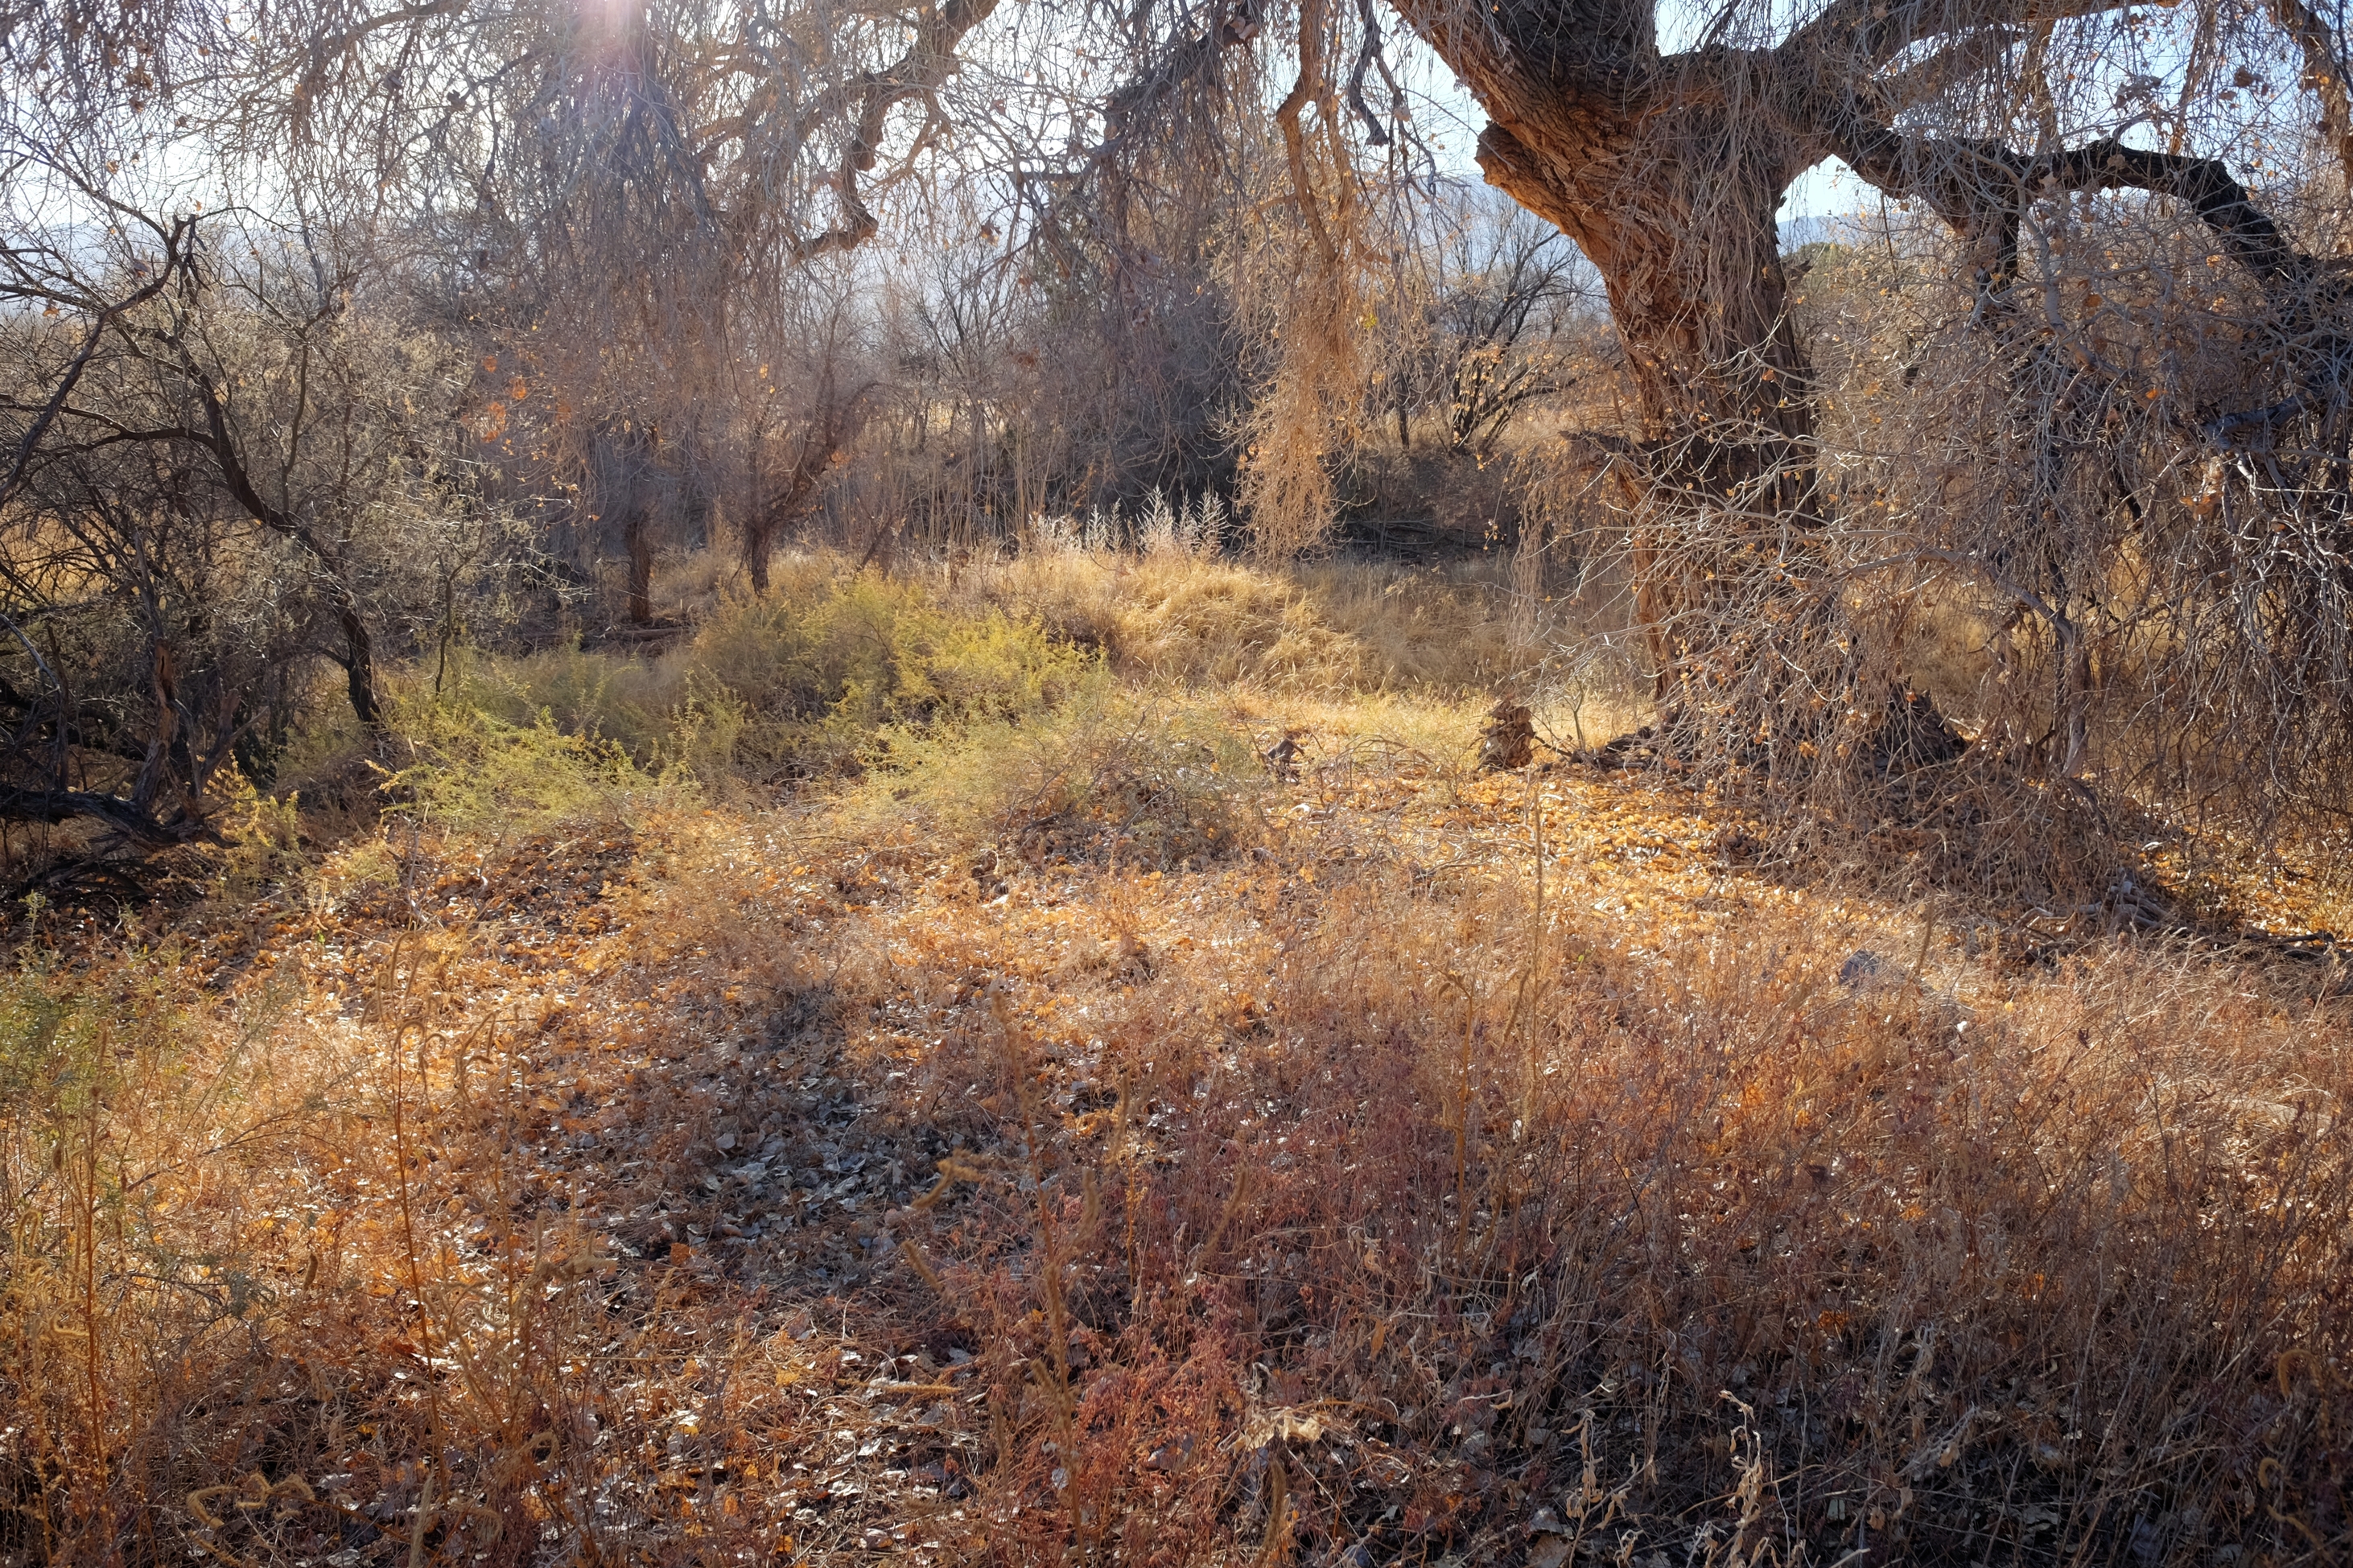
472, 769
818, 678
620, 698
794, 684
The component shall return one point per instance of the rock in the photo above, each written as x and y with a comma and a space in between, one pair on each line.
1863, 971
989, 873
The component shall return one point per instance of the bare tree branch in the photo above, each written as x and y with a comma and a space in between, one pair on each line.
28, 444
868, 101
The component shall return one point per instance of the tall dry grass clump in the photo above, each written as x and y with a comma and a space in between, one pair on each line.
1173, 609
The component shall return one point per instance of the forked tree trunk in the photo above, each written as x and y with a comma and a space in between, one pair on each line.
1741, 621
838, 422
1678, 216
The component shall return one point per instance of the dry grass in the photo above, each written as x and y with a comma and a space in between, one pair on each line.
1418, 1166
1335, 626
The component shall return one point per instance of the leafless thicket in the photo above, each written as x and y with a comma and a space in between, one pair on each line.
229, 468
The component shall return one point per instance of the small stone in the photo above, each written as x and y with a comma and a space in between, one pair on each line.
1862, 970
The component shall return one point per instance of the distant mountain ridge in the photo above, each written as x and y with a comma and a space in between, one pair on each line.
1799, 232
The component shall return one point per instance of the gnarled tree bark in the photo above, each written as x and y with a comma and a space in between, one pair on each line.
1669, 171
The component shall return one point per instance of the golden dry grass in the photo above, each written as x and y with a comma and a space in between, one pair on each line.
1333, 627
1425, 1166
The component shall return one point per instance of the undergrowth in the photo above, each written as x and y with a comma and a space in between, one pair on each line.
1082, 1131
790, 686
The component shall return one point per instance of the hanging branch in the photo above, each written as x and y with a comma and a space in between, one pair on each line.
1308, 87
867, 101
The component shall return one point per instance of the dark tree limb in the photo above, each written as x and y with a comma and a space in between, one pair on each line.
1852, 38
56, 805
220, 442
1369, 56
1982, 188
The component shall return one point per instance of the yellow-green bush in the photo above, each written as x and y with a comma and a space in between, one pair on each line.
470, 768
794, 684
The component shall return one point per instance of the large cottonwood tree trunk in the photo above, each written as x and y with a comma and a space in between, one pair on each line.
1673, 196
1669, 171
1689, 251
1690, 254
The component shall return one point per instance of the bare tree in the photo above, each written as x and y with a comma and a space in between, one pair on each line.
224, 482
617, 187
1480, 306
809, 377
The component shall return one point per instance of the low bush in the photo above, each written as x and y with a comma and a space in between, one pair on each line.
791, 685
472, 770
